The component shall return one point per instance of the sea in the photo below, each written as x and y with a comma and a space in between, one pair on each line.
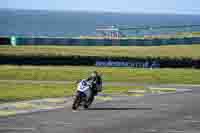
84, 23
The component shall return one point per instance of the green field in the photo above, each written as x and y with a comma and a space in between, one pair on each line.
13, 91
73, 73
27, 91
190, 51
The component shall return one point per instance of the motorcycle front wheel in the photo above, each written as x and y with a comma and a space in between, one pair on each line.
76, 102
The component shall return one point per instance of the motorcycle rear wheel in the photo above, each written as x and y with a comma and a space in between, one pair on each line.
88, 104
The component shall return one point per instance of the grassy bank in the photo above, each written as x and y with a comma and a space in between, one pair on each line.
11, 91
178, 51
72, 73
26, 91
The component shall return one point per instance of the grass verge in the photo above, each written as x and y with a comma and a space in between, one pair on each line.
175, 51
73, 73
26, 91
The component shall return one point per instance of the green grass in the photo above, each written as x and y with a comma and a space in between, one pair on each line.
73, 73
190, 51
121, 89
26, 91
11, 91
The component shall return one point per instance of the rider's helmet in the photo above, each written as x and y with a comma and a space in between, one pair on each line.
94, 74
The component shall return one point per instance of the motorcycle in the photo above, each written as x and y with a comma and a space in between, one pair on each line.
83, 96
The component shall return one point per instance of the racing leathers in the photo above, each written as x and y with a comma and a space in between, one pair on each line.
96, 84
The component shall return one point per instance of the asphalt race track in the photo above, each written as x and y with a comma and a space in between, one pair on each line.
167, 113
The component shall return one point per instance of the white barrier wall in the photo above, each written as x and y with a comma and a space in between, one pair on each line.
136, 64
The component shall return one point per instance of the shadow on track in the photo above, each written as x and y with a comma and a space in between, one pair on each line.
119, 109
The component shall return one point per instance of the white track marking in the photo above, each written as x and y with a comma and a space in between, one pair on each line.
168, 131
17, 129
151, 131
192, 121
175, 131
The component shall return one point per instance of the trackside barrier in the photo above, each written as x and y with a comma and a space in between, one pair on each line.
143, 62
101, 42
136, 64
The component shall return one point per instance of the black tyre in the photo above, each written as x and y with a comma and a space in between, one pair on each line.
86, 106
76, 102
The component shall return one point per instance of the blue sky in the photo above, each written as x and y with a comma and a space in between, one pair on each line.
141, 6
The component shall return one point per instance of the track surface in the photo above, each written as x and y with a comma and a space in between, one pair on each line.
168, 113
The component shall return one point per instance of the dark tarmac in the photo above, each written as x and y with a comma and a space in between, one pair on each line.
167, 113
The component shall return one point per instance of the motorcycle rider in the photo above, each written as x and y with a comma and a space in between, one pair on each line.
96, 81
